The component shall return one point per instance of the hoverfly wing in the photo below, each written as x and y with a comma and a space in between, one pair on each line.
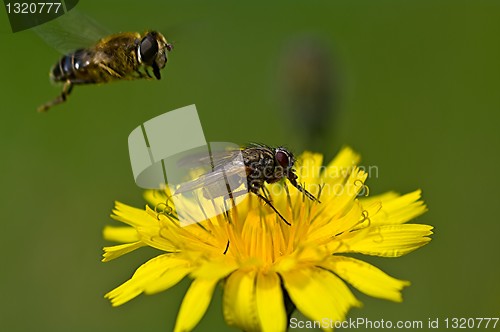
71, 31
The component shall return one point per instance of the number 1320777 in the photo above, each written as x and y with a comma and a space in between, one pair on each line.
470, 323
32, 7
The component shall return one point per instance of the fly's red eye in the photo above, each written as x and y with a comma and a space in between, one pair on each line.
283, 158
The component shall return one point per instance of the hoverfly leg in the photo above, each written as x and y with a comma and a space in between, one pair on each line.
147, 73
67, 88
268, 202
110, 70
140, 74
156, 71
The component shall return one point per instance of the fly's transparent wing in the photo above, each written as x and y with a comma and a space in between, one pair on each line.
71, 31
215, 159
216, 182
206, 182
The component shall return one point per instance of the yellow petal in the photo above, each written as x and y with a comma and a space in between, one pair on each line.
239, 301
337, 198
379, 198
366, 277
132, 216
340, 167
195, 304
345, 158
308, 167
123, 234
319, 294
113, 252
396, 209
166, 280
386, 241
217, 268
329, 229
157, 274
270, 305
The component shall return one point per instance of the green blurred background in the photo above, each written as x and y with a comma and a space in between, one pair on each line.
414, 86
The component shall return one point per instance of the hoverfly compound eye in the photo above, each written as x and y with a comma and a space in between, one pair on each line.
283, 158
148, 49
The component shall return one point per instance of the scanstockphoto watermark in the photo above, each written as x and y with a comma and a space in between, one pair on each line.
354, 323
430, 323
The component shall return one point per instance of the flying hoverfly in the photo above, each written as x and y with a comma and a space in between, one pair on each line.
261, 164
122, 56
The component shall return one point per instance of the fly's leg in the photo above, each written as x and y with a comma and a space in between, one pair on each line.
293, 181
268, 202
68, 86
266, 193
232, 195
255, 186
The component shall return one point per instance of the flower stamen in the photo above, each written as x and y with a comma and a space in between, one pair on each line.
365, 190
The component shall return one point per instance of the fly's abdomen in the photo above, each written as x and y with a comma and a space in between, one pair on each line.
72, 67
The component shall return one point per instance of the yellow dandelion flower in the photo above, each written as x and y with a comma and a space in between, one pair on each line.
266, 267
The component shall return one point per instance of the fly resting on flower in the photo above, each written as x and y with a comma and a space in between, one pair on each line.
261, 164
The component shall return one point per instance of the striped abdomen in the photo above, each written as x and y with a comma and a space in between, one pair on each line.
73, 67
